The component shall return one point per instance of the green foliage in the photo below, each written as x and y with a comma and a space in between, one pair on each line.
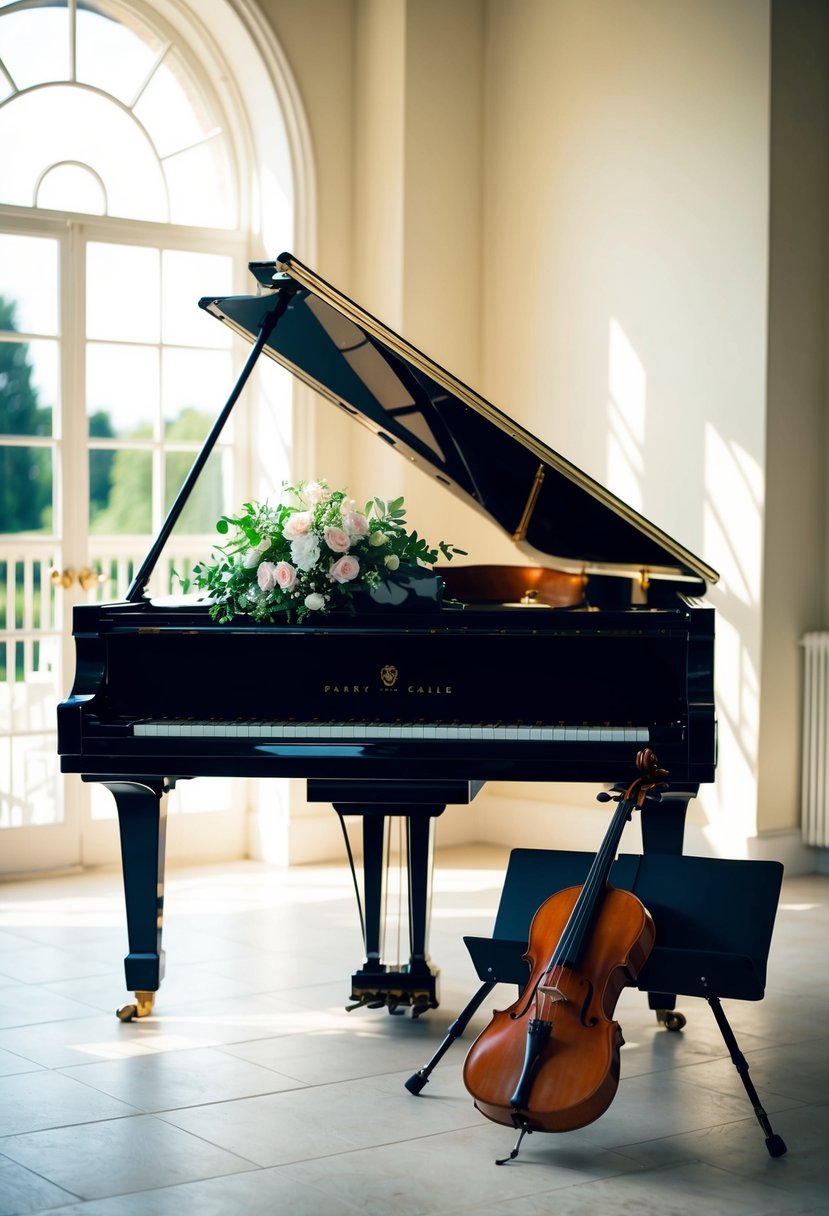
25, 471
310, 553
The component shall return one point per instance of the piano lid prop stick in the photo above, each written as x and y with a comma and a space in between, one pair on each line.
136, 590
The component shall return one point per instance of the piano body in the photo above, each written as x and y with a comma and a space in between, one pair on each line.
557, 669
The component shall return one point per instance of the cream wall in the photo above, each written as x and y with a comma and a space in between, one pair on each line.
627, 180
567, 203
794, 569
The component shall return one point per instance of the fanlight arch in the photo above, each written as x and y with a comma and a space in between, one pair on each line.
191, 99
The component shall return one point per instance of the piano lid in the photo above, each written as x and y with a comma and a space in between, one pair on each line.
554, 512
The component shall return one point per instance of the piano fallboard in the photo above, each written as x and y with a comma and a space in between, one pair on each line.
506, 693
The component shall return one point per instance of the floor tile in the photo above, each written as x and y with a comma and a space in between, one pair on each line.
112, 1158
173, 1079
36, 1100
258, 1193
23, 1192
251, 1089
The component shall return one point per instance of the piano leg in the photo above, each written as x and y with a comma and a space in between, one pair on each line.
413, 984
142, 818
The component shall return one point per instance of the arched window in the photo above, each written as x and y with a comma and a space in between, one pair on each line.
145, 157
101, 113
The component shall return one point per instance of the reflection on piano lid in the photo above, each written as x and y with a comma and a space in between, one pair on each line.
555, 513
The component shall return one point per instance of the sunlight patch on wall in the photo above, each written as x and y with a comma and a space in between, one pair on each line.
732, 543
626, 413
732, 524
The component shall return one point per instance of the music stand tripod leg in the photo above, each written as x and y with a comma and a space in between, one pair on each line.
774, 1143
419, 1079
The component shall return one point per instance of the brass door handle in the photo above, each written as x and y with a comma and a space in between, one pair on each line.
89, 578
62, 578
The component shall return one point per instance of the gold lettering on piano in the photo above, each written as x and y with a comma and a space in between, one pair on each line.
389, 676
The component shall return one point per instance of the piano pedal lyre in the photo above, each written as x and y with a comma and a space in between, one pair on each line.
142, 1008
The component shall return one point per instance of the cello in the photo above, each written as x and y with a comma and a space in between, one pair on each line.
550, 1062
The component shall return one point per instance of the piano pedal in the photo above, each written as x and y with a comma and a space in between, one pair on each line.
397, 1001
142, 1008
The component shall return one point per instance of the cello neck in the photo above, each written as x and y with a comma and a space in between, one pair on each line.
580, 922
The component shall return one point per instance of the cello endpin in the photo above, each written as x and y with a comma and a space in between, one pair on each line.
525, 1130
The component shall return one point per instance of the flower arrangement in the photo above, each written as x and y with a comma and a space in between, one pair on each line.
310, 553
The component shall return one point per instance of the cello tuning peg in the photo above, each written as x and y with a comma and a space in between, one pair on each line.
604, 797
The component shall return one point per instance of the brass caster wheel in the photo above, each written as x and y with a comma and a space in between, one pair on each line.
670, 1019
142, 1008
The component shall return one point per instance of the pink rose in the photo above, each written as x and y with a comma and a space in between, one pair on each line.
266, 576
337, 540
355, 524
297, 524
344, 569
285, 575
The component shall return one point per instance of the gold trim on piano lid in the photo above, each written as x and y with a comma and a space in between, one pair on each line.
521, 531
293, 268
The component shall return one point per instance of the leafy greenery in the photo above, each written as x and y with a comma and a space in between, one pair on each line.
25, 471
309, 553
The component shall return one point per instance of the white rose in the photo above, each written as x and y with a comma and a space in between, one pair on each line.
252, 558
315, 601
377, 539
314, 493
305, 551
392, 561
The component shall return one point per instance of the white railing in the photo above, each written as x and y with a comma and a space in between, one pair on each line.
117, 560
30, 675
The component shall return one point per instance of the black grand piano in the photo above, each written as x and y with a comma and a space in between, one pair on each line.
594, 645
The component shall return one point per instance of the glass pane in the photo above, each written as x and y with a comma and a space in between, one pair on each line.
28, 685
123, 482
29, 786
72, 188
28, 283
186, 277
112, 57
28, 386
171, 110
122, 292
195, 386
75, 124
121, 390
25, 489
35, 45
209, 498
199, 186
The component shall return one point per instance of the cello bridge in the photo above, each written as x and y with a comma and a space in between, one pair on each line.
555, 994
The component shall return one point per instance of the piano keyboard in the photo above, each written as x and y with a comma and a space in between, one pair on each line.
367, 731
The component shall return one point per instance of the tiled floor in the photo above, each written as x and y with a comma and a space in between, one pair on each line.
251, 1090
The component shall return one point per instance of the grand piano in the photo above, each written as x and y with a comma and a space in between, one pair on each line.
594, 645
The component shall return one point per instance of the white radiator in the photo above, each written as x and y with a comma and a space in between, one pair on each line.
814, 804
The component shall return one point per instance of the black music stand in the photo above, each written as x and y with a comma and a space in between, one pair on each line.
713, 918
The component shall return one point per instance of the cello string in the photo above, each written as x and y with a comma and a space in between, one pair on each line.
585, 905
581, 912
